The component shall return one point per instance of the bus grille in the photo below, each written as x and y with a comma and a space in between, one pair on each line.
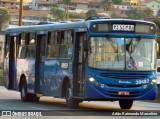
122, 75
121, 86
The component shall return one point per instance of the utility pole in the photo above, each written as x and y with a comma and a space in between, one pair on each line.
20, 12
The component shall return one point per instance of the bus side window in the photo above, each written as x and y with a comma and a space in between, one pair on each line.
52, 48
22, 46
31, 46
7, 46
66, 46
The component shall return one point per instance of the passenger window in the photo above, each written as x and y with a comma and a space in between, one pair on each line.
22, 46
22, 52
7, 46
31, 47
52, 49
66, 44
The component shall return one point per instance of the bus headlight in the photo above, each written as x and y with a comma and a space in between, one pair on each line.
154, 81
91, 79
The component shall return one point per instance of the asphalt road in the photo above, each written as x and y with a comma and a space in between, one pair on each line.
10, 101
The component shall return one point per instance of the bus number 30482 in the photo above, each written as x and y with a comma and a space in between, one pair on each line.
145, 81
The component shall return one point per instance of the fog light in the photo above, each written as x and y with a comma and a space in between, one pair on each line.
96, 83
91, 79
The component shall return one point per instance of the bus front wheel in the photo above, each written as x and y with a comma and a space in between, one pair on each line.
71, 102
125, 104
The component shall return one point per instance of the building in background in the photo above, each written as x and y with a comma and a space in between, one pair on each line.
43, 4
154, 5
29, 16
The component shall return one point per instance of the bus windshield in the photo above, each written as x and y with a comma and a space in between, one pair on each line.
135, 54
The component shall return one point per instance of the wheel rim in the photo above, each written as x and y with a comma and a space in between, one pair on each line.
23, 91
68, 94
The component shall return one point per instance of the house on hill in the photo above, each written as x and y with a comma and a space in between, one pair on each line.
154, 5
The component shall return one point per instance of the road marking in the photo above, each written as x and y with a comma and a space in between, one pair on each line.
38, 108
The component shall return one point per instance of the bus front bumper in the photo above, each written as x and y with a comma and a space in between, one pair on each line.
98, 91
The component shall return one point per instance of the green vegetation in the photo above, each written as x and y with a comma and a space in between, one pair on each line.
67, 3
1, 73
91, 12
57, 13
140, 14
118, 2
107, 4
74, 15
4, 17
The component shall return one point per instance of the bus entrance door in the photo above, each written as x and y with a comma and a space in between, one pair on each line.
39, 65
80, 63
10, 71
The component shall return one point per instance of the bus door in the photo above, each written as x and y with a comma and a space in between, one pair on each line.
79, 69
39, 63
10, 71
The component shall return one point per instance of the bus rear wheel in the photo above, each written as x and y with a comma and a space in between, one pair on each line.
125, 104
71, 102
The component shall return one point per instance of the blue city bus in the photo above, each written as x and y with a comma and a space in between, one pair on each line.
90, 60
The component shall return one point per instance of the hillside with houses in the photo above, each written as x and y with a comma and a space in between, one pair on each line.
39, 10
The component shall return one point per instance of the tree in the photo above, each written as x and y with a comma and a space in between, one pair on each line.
139, 14
149, 12
107, 4
91, 12
4, 17
67, 2
117, 2
57, 13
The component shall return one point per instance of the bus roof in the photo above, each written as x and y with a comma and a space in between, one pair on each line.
70, 25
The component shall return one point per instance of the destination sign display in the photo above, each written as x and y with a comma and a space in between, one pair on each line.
124, 27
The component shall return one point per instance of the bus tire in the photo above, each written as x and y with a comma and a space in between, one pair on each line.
125, 104
24, 94
71, 102
34, 98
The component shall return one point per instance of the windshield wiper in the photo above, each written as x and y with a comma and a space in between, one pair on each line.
133, 47
113, 46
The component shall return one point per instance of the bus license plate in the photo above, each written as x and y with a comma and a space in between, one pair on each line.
123, 93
